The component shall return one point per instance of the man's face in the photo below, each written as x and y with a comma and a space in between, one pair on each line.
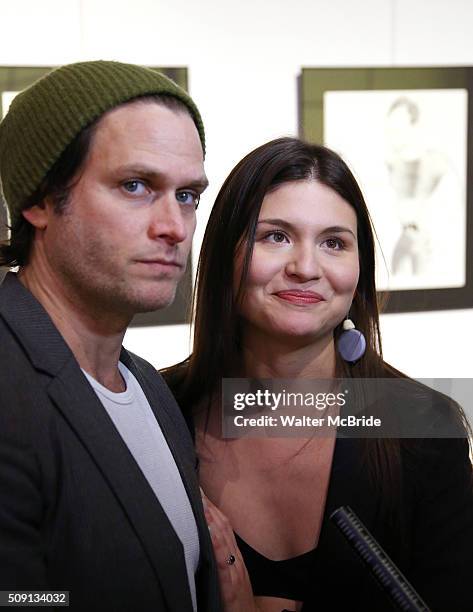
123, 241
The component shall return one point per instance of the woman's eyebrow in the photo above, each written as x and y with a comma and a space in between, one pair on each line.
333, 229
280, 222
338, 229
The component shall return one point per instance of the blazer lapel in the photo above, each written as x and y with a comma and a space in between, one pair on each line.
153, 387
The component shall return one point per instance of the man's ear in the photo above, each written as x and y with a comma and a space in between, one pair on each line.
37, 215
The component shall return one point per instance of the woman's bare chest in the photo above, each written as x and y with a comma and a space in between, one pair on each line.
273, 494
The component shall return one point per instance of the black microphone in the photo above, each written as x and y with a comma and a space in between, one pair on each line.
390, 578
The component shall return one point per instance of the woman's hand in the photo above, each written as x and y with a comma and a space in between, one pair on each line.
235, 585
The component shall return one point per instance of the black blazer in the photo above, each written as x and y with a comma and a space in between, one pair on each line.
431, 541
76, 512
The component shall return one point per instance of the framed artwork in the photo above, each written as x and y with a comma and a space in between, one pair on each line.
3, 232
15, 79
406, 134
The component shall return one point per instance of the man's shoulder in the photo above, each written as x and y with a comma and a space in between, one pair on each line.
13, 359
30, 329
25, 408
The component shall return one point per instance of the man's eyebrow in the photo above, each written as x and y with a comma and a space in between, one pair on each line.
333, 229
201, 183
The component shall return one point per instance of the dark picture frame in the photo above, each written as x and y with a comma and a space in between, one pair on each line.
17, 78
315, 83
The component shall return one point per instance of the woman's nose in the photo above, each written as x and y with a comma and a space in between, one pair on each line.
304, 264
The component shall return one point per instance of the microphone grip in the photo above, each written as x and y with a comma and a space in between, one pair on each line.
401, 593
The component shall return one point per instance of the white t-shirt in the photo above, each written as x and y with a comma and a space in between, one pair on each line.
132, 416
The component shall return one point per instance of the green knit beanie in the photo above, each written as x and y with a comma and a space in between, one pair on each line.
45, 118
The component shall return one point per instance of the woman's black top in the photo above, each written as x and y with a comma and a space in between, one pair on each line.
290, 578
432, 543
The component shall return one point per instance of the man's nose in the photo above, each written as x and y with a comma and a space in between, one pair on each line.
304, 263
167, 220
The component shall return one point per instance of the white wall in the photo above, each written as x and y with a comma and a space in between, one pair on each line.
243, 58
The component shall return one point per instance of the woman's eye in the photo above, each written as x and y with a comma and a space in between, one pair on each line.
334, 244
135, 187
188, 197
277, 237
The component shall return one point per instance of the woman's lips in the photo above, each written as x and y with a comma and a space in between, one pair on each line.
300, 297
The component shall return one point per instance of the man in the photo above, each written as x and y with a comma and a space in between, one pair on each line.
101, 166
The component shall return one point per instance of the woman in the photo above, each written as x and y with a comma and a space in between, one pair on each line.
288, 254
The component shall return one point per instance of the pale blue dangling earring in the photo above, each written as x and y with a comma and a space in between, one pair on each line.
351, 343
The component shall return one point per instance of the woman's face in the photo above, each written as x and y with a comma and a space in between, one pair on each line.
304, 269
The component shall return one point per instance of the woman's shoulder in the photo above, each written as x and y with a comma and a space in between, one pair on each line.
175, 375
177, 380
425, 406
